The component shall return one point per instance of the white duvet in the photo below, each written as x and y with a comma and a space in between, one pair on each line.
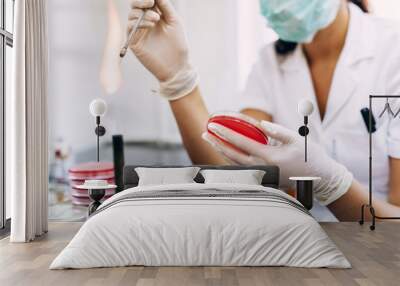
200, 232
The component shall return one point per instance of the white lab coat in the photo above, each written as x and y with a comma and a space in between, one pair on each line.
369, 64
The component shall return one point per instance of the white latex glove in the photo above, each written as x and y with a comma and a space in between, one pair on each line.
288, 154
161, 46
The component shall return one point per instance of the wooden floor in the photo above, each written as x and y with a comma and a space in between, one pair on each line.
375, 257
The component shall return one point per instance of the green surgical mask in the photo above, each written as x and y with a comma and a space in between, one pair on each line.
299, 21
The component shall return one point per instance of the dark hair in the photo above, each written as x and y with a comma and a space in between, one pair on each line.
284, 47
362, 4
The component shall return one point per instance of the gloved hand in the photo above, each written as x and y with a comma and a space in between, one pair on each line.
161, 46
288, 154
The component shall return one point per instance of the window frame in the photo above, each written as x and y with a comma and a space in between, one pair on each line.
6, 39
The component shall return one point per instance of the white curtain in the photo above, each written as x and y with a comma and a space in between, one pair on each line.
27, 123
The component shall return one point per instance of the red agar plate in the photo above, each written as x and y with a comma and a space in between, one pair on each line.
240, 125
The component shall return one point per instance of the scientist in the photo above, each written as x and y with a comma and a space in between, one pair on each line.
331, 52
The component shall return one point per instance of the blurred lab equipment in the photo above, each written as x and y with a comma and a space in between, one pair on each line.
58, 169
58, 177
119, 161
366, 114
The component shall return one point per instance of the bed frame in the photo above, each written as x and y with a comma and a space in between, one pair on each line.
304, 191
130, 179
270, 179
126, 176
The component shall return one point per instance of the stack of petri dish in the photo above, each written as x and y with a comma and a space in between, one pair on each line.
89, 171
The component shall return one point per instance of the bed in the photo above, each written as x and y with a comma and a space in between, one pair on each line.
198, 224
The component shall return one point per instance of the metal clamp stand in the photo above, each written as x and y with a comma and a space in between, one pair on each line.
370, 203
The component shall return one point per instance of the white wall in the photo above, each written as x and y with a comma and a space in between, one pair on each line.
224, 38
386, 8
252, 35
77, 31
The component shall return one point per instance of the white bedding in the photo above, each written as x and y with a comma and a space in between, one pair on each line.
200, 232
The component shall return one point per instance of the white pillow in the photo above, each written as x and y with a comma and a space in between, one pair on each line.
246, 177
166, 176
